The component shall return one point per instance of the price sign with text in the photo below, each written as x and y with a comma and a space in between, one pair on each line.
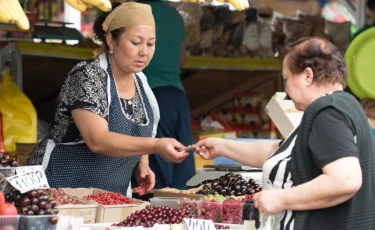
198, 224
29, 178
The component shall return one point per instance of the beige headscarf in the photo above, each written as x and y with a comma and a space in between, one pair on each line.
126, 14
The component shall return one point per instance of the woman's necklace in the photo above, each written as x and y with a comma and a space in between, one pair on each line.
328, 92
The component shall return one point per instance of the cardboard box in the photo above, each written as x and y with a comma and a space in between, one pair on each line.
108, 213
82, 209
283, 113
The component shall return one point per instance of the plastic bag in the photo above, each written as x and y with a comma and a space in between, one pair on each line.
191, 14
237, 16
295, 29
18, 113
265, 40
222, 15
206, 39
237, 35
339, 34
318, 23
251, 36
208, 19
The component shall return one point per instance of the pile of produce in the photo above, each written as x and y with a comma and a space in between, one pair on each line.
231, 185
189, 204
7, 160
232, 212
210, 210
61, 197
34, 202
109, 198
150, 216
12, 12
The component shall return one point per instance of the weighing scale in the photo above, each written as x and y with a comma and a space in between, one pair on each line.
211, 172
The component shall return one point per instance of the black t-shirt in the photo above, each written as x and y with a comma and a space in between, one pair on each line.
332, 137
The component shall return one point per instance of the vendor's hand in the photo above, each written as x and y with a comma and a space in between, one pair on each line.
269, 202
369, 107
209, 148
168, 148
145, 178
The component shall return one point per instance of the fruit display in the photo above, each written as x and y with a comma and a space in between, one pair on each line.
61, 197
82, 5
150, 216
109, 198
231, 185
189, 204
7, 160
232, 212
34, 202
12, 12
210, 210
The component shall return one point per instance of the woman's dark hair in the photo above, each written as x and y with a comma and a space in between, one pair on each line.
100, 34
371, 4
324, 59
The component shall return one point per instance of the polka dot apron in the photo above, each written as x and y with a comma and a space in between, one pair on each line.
76, 166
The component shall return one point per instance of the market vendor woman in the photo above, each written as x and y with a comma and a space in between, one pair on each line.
106, 114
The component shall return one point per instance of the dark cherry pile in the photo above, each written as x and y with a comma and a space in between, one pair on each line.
61, 197
150, 216
210, 210
109, 198
34, 202
7, 160
232, 212
231, 185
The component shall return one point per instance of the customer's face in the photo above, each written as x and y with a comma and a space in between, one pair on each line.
135, 48
296, 86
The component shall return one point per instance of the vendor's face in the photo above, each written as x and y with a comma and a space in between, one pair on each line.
296, 86
135, 48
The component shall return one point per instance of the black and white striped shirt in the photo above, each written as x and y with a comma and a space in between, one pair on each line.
276, 174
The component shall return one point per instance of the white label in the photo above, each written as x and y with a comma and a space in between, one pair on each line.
29, 179
197, 224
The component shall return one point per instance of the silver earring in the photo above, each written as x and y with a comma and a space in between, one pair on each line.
111, 51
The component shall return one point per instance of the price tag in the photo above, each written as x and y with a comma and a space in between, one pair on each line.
198, 224
28, 179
